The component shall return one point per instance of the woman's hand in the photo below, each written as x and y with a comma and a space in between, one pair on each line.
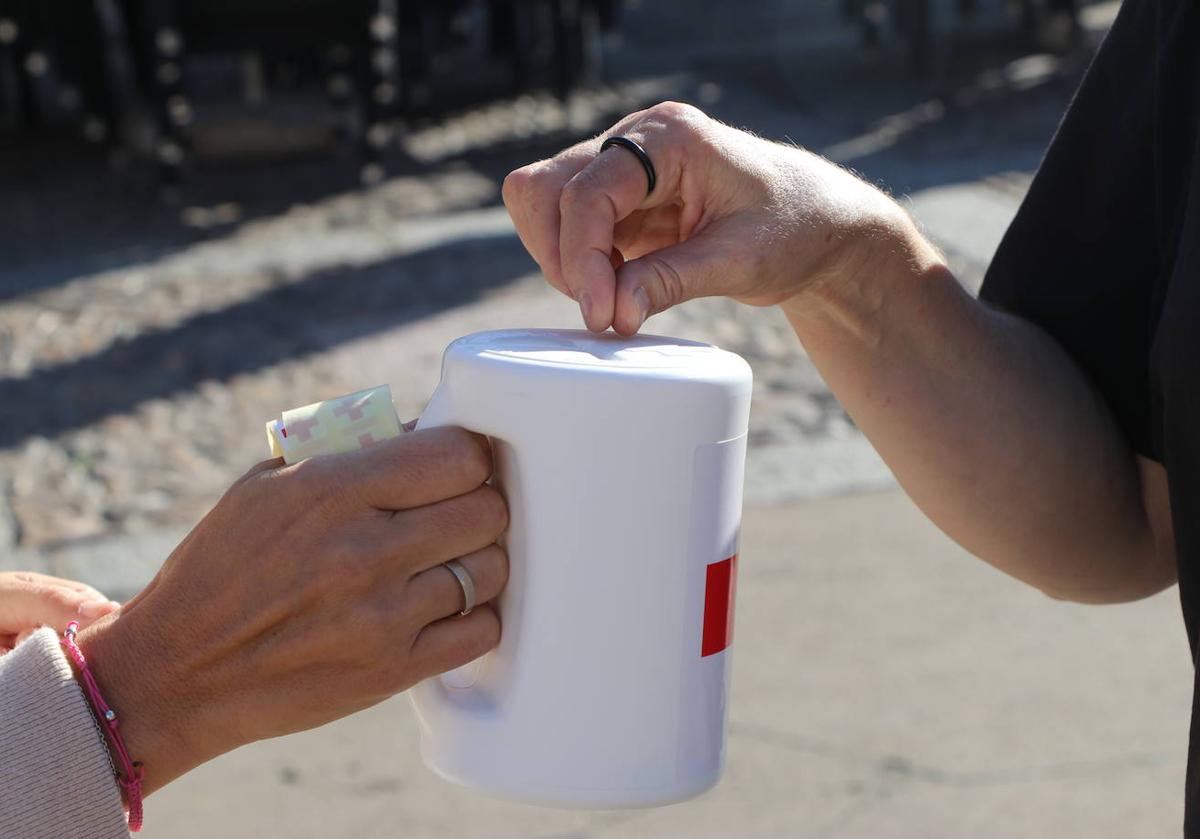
732, 214
29, 601
308, 593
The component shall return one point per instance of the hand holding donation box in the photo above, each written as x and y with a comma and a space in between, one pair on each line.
621, 461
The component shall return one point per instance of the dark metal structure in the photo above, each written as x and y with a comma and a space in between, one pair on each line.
915, 22
123, 70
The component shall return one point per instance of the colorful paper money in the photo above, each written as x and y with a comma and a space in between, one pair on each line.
345, 424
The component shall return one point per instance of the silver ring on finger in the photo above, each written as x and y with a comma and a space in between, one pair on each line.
464, 580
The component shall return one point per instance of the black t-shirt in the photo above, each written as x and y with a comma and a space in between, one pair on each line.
1104, 254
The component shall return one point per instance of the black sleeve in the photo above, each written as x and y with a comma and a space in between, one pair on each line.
1081, 258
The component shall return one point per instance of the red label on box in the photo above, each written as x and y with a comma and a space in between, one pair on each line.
718, 606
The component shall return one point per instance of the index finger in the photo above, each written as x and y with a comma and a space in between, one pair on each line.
611, 187
411, 470
532, 195
604, 192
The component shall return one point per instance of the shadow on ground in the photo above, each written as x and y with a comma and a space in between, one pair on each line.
271, 328
784, 69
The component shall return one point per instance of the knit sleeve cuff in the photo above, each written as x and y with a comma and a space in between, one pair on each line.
54, 765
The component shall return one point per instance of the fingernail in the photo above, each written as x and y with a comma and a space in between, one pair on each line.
641, 302
94, 608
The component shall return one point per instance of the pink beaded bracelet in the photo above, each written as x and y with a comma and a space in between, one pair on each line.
131, 771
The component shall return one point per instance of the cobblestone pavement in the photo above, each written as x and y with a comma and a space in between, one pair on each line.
143, 343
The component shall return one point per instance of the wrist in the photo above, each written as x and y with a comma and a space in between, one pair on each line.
134, 679
881, 254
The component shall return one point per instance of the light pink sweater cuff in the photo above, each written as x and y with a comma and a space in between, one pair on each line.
55, 778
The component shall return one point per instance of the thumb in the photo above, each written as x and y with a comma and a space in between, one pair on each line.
702, 266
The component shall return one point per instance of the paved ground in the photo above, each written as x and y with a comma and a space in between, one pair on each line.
886, 685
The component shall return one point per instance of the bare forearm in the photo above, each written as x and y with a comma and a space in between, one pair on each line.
986, 423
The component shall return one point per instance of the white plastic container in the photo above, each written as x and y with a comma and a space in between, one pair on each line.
622, 462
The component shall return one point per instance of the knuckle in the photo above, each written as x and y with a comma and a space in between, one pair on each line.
677, 113
477, 463
307, 475
479, 516
485, 635
387, 616
466, 456
459, 517
357, 562
480, 633
577, 191
530, 184
493, 571
492, 510
378, 608
416, 458
64, 597
515, 186
249, 497
24, 578
319, 481
433, 530
571, 198
56, 599
669, 284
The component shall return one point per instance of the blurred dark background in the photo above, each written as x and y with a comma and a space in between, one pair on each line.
178, 84
113, 112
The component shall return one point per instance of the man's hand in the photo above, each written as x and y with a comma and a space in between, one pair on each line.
29, 601
731, 215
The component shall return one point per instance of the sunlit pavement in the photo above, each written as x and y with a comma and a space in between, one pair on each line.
885, 685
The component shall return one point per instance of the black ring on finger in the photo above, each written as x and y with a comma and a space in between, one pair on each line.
639, 153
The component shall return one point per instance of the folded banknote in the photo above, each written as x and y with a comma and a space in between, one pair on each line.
344, 424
